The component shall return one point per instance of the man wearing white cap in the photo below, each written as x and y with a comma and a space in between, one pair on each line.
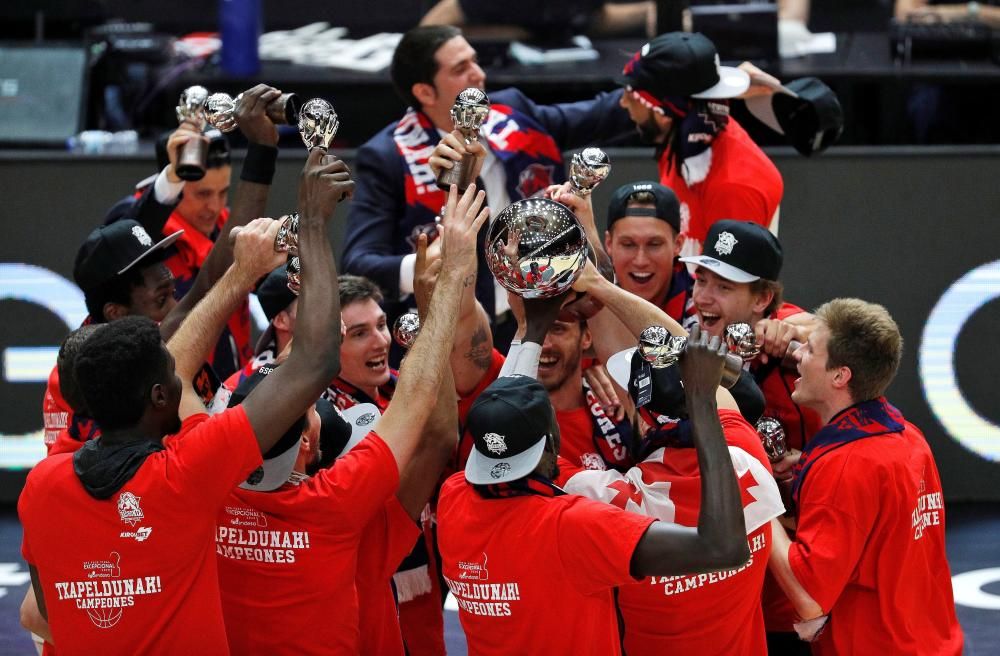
678, 96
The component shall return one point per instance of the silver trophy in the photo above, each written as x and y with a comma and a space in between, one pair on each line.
193, 155
772, 437
661, 349
287, 241
742, 340
588, 169
471, 108
405, 329
536, 248
220, 109
318, 124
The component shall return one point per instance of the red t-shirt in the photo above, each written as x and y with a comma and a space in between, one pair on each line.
712, 613
577, 435
141, 575
534, 574
288, 557
776, 384
741, 183
870, 549
385, 542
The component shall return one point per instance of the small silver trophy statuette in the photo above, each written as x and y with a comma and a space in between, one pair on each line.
406, 328
221, 109
471, 108
588, 168
661, 349
772, 437
193, 155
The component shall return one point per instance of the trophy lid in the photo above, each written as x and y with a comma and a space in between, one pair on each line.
536, 248
406, 328
588, 169
473, 97
742, 340
220, 110
659, 348
318, 123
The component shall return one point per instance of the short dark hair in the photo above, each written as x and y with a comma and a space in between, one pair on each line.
358, 288
65, 362
865, 339
119, 288
413, 62
117, 366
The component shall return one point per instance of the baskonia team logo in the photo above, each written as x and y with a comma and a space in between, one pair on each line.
128, 508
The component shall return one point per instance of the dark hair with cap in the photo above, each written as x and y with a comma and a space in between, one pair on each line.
116, 367
413, 61
274, 294
65, 362
357, 288
117, 290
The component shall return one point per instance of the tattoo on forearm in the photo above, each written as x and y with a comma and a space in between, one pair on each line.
469, 280
479, 353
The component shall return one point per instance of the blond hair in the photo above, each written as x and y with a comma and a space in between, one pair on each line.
865, 339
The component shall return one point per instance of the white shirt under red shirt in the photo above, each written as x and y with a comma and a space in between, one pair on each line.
141, 575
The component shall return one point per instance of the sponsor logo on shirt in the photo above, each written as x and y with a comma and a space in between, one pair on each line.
592, 461
473, 570
128, 508
240, 516
103, 600
139, 534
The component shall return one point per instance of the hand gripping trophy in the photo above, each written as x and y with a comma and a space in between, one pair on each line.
220, 110
471, 108
318, 125
192, 156
661, 349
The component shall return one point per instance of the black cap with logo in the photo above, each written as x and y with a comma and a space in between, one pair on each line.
740, 251
683, 64
113, 249
509, 423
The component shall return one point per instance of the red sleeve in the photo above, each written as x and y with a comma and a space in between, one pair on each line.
603, 539
836, 514
213, 454
736, 201
567, 470
359, 483
22, 502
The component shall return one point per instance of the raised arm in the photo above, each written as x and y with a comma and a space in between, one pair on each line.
423, 369
249, 201
194, 339
719, 541
285, 395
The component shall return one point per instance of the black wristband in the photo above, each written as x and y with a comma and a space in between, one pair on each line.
259, 164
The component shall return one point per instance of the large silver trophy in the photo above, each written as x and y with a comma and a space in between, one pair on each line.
588, 169
318, 125
661, 349
193, 155
471, 108
405, 329
220, 110
772, 437
536, 248
742, 341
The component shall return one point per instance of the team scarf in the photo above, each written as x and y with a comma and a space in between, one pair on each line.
530, 157
604, 428
697, 123
861, 420
82, 428
532, 484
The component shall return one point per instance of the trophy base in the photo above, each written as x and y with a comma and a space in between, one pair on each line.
459, 175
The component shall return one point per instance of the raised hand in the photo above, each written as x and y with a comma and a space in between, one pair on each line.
701, 363
252, 118
425, 273
460, 230
325, 181
187, 131
253, 252
450, 150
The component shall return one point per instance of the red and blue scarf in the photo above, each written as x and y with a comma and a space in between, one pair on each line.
532, 484
861, 420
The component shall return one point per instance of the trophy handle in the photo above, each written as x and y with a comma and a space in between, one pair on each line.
284, 110
732, 368
460, 175
191, 159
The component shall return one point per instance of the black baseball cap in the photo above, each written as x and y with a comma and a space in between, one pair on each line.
740, 251
274, 294
509, 423
682, 64
667, 206
806, 111
113, 249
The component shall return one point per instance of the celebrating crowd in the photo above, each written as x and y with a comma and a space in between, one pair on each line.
204, 495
